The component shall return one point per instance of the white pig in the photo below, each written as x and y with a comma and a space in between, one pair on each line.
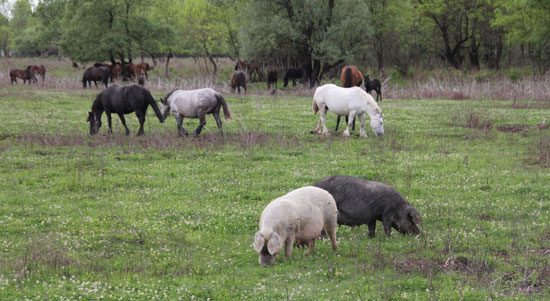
300, 215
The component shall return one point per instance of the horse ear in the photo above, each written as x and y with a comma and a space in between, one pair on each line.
89, 116
163, 101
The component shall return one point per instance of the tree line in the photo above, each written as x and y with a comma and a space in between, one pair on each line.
316, 35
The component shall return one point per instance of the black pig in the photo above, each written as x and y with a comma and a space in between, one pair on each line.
364, 202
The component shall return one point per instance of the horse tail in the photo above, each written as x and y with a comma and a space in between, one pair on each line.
43, 72
349, 80
226, 110
315, 107
151, 101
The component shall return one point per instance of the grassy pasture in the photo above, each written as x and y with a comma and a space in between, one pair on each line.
160, 216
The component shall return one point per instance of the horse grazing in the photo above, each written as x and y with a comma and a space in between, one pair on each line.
40, 70
347, 101
141, 80
122, 100
238, 80
25, 75
254, 69
375, 85
272, 78
93, 74
194, 104
142, 68
293, 74
351, 77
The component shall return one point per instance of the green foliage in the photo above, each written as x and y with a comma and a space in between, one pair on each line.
271, 31
527, 22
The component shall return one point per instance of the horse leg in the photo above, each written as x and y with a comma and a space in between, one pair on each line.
379, 93
350, 119
123, 120
362, 132
202, 118
324, 111
216, 115
179, 121
95, 83
109, 121
337, 123
141, 117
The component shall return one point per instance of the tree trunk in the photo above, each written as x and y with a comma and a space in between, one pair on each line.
167, 62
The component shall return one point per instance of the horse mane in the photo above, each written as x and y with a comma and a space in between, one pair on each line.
169, 94
96, 105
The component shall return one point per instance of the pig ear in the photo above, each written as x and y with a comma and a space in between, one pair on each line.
274, 245
415, 216
259, 242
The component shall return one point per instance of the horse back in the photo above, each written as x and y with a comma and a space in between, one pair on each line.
351, 76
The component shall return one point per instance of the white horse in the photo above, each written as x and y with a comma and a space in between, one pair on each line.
349, 102
194, 104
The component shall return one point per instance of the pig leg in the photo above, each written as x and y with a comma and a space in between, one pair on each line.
372, 228
330, 229
288, 245
311, 246
387, 221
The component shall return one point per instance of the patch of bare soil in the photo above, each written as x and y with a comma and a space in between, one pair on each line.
512, 128
485, 217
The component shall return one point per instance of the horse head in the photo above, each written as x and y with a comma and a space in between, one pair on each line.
377, 123
164, 108
95, 122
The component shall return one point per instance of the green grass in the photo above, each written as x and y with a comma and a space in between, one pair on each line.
160, 216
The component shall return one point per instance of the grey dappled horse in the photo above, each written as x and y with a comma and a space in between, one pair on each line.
194, 104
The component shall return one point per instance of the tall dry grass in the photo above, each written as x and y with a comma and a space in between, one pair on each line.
190, 73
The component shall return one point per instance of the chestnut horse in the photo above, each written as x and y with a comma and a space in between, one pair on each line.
351, 77
238, 80
25, 75
40, 70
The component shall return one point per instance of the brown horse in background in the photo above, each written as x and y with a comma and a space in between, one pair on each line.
351, 77
25, 75
40, 70
254, 70
238, 80
142, 68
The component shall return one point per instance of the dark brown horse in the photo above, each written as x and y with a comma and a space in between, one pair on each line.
25, 75
122, 100
272, 78
351, 77
94, 74
254, 70
238, 80
293, 74
40, 70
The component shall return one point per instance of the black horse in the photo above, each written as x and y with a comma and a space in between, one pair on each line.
122, 100
293, 74
375, 85
93, 74
272, 78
